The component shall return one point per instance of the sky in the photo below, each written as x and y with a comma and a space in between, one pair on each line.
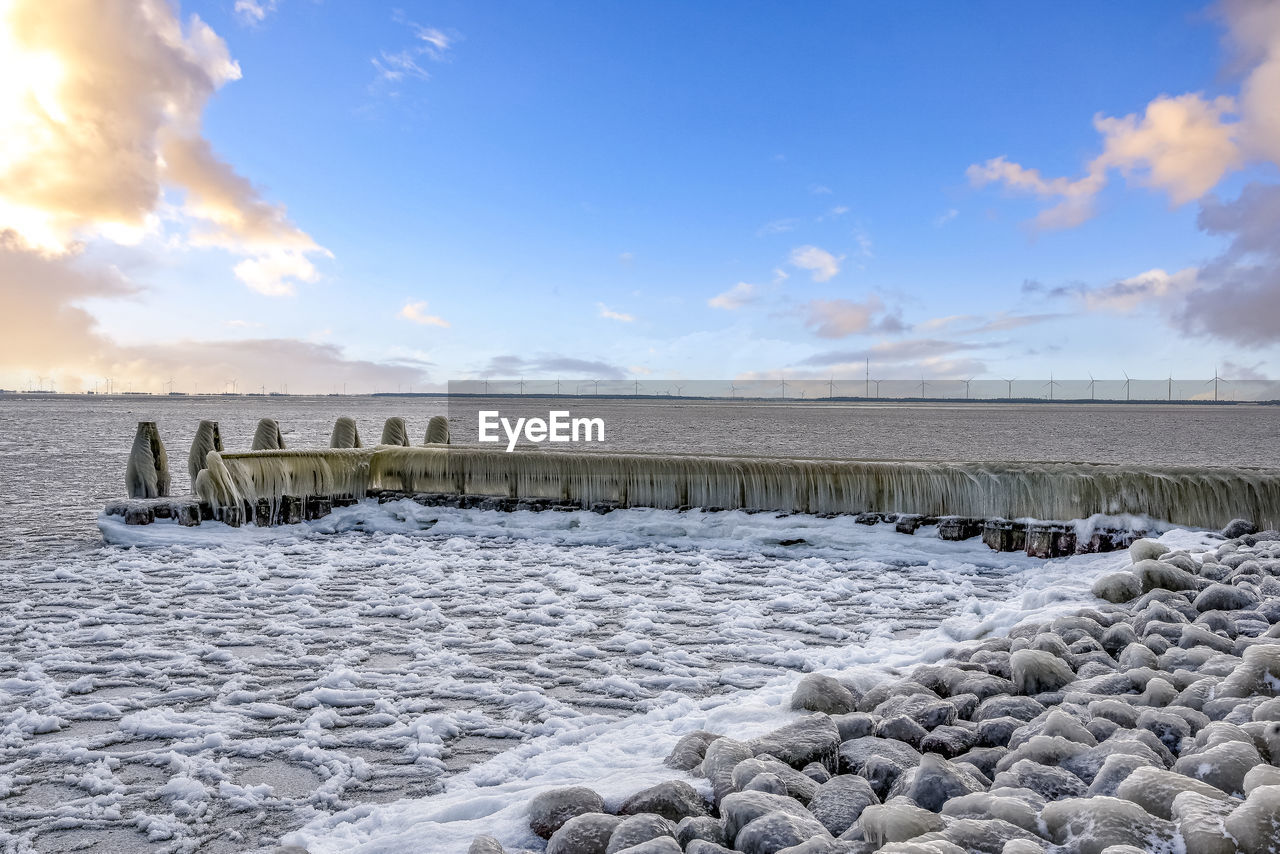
312, 194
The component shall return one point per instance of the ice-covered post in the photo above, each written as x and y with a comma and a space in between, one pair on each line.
208, 438
438, 430
394, 432
267, 437
345, 434
147, 475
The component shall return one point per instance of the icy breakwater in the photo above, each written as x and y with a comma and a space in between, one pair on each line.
1147, 725
288, 485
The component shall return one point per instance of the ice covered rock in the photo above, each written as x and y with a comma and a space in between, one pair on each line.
1200, 821
1090, 825
816, 772
548, 811
880, 760
703, 846
1049, 782
980, 836
1154, 789
722, 755
772, 832
1036, 671
901, 728
1118, 587
794, 783
1262, 775
480, 845
1144, 549
949, 741
1022, 708
267, 437
984, 805
584, 834
345, 434
819, 693
673, 800
1115, 769
996, 732
208, 438
1255, 824
1158, 575
394, 432
689, 750
840, 801
931, 846
765, 782
739, 809
700, 827
811, 739
636, 829
660, 845
896, 821
1224, 597
1222, 766
1239, 528
1258, 674
438, 430
928, 711
933, 782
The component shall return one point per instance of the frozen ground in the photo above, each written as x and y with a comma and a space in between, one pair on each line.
212, 689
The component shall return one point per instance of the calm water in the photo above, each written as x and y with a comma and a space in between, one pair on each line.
62, 458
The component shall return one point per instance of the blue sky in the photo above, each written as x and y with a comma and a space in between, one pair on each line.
695, 190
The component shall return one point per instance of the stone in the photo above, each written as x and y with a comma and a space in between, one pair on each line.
1157, 575
1201, 823
1224, 597
983, 805
1255, 824
721, 758
897, 821
1048, 782
741, 808
1238, 528
1036, 671
819, 693
673, 800
1090, 825
1222, 766
660, 845
879, 760
933, 782
636, 829
689, 750
855, 725
1144, 549
811, 739
480, 845
772, 832
548, 811
840, 801
1153, 789
584, 834
1118, 587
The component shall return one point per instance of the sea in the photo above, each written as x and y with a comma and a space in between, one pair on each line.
401, 678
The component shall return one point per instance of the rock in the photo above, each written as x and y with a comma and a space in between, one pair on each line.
1022, 708
897, 821
765, 782
926, 710
1258, 674
1224, 597
741, 808
880, 760
996, 732
819, 693
1263, 775
1048, 782
661, 845
816, 772
1255, 824
699, 827
1201, 822
772, 832
722, 756
981, 836
1154, 789
636, 829
1090, 825
797, 785
1222, 766
548, 811
855, 725
482, 845
1154, 574
673, 800
933, 782
983, 805
1144, 549
1238, 528
811, 739
1118, 587
949, 741
1115, 769
902, 728
840, 801
689, 750
702, 846
1036, 671
584, 834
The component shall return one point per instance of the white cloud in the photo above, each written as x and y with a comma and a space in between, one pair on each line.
416, 312
610, 314
395, 66
838, 318
945, 217
626, 257
821, 264
734, 298
819, 190
254, 11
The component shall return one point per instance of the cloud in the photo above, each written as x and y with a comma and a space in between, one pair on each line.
254, 11
821, 264
553, 365
838, 318
416, 312
945, 217
626, 257
819, 190
736, 297
101, 115
777, 226
610, 314
429, 44
891, 352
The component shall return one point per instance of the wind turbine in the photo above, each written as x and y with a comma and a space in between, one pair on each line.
557, 388
831, 386
1170, 398
966, 387
784, 386
922, 386
521, 384
877, 382
1092, 383
1009, 386
679, 388
1217, 379
636, 393
1127, 380
1050, 384
595, 386
732, 390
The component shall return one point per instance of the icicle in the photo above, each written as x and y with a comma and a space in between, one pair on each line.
267, 437
345, 434
147, 475
1184, 495
394, 432
438, 430
208, 438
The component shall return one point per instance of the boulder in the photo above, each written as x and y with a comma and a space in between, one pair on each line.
689, 750
1224, 597
584, 834
1158, 575
1255, 824
1222, 766
1145, 549
479, 845
933, 782
1090, 825
1036, 671
772, 832
1154, 789
1048, 782
840, 801
721, 758
1201, 822
1238, 528
819, 693
897, 821
811, 739
636, 829
548, 811
1118, 587
673, 800
741, 808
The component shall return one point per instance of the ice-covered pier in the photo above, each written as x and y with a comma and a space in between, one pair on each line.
272, 485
